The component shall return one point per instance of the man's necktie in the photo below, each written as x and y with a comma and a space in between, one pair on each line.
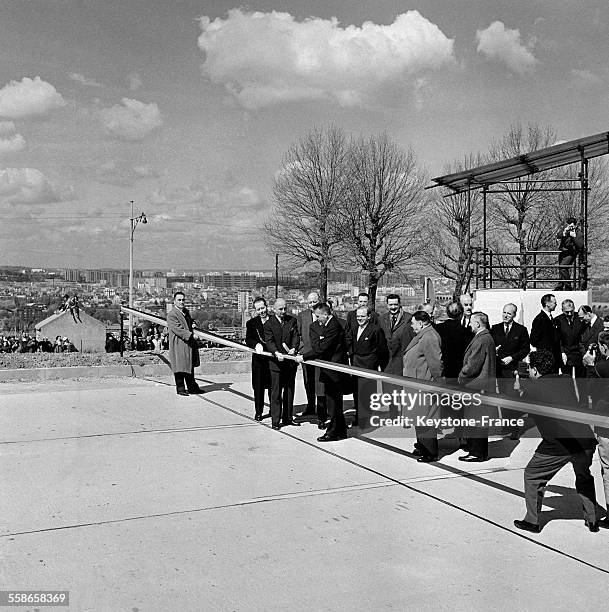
393, 321
507, 330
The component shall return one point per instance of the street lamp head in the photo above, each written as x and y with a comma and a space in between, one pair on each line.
143, 218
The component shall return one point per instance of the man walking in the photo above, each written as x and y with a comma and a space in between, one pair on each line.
562, 442
183, 351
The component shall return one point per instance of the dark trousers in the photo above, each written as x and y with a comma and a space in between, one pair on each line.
505, 384
261, 381
316, 404
564, 272
363, 388
477, 441
427, 441
185, 377
334, 403
542, 468
282, 393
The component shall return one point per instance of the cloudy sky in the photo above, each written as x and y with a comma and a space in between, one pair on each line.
188, 107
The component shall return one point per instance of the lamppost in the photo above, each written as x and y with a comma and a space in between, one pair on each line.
141, 218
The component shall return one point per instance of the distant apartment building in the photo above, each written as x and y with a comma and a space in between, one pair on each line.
230, 281
244, 301
71, 275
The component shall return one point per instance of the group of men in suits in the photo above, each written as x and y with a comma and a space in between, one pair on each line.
316, 334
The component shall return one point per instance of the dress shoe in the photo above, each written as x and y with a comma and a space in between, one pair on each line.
286, 423
417, 452
182, 392
258, 417
604, 524
197, 391
593, 526
473, 459
426, 459
321, 425
526, 526
330, 438
276, 426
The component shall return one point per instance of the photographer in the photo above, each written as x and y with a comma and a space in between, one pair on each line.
571, 243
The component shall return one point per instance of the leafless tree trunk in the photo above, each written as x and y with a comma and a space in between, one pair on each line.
517, 211
308, 193
380, 219
449, 221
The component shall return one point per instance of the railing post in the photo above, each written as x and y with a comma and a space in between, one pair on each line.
534, 270
490, 265
121, 343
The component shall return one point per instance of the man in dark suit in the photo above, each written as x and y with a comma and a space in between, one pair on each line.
397, 329
281, 336
367, 348
479, 373
328, 344
543, 331
352, 324
455, 339
254, 338
570, 329
315, 400
512, 345
467, 302
562, 442
593, 326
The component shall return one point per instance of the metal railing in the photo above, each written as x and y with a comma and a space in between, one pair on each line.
525, 269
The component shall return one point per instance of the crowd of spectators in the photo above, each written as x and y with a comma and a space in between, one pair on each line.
155, 340
25, 343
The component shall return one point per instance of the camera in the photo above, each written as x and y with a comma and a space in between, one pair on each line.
593, 347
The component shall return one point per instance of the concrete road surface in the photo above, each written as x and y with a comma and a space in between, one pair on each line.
135, 499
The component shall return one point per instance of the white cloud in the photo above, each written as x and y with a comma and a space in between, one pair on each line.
29, 97
83, 80
505, 45
266, 58
13, 144
134, 80
133, 120
122, 174
6, 127
30, 186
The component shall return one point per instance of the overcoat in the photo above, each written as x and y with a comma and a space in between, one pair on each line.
183, 352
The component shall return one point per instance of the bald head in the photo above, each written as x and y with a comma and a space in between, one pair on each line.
279, 307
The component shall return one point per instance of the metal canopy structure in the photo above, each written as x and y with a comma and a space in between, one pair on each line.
505, 176
555, 156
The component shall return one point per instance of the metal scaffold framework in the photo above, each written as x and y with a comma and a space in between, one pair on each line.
506, 176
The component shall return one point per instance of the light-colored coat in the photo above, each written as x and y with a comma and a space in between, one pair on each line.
183, 353
479, 363
423, 356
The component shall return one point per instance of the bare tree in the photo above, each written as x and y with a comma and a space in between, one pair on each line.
308, 193
450, 220
516, 212
380, 220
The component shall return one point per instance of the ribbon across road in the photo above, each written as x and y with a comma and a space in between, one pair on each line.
410, 388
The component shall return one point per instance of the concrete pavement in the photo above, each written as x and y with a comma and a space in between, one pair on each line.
136, 499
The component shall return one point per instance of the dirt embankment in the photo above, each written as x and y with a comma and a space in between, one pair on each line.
14, 361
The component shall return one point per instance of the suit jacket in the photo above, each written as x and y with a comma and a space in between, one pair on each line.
455, 339
559, 437
515, 345
255, 334
479, 363
590, 335
183, 351
304, 320
570, 337
328, 344
544, 336
276, 335
352, 324
370, 351
397, 340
